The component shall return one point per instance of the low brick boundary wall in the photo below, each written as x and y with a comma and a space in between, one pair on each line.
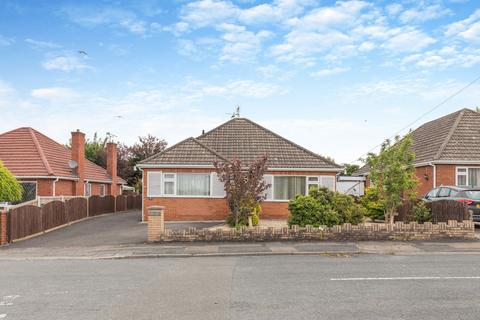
364, 232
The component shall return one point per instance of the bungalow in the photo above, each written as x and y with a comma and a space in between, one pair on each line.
447, 151
47, 168
182, 178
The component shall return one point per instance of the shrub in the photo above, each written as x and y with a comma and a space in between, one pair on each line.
421, 212
324, 207
255, 219
375, 207
10, 189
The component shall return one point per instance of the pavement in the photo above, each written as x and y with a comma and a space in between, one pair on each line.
122, 236
361, 287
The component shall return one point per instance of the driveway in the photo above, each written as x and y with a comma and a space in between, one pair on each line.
109, 230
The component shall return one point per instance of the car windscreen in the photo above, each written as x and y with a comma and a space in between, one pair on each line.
473, 194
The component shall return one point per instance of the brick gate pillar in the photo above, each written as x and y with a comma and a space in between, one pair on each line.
156, 223
3, 227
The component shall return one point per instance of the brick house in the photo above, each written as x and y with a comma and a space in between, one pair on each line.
182, 177
447, 151
47, 168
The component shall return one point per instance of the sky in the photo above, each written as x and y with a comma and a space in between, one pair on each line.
336, 77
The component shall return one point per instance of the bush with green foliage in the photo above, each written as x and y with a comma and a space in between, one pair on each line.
373, 204
10, 189
421, 212
324, 207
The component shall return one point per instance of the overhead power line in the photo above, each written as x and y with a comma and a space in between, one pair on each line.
408, 126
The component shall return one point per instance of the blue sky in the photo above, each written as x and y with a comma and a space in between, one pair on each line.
334, 76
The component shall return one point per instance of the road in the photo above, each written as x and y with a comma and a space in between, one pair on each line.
250, 287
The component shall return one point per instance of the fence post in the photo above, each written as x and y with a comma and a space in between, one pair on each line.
3, 227
156, 223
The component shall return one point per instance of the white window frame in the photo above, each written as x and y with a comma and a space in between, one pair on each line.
463, 174
197, 173
102, 190
285, 175
87, 189
174, 180
149, 174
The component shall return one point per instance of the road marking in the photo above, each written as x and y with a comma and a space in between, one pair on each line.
403, 278
8, 300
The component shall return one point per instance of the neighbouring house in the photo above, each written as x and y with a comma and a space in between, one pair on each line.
47, 168
182, 178
447, 151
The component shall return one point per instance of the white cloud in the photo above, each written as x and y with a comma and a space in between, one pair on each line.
112, 17
54, 93
36, 44
203, 13
394, 9
423, 13
329, 72
444, 57
207, 13
467, 29
5, 89
241, 45
472, 33
244, 88
65, 63
4, 41
408, 40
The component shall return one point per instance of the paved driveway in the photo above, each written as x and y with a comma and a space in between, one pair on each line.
113, 229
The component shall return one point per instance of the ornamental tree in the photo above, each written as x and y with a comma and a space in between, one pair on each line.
10, 189
392, 174
244, 186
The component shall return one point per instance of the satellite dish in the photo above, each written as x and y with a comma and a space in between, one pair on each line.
72, 164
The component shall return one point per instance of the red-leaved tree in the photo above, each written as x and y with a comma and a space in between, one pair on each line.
244, 186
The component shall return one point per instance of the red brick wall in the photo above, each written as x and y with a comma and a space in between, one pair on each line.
446, 174
96, 188
424, 185
195, 209
64, 188
45, 187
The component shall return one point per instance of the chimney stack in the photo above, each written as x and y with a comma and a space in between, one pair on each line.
78, 155
112, 167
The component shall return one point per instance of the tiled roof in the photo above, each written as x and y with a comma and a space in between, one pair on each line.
454, 137
187, 152
245, 140
29, 153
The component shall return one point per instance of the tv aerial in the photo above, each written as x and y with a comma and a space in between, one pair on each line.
236, 113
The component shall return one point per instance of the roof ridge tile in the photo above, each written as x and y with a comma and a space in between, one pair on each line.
40, 151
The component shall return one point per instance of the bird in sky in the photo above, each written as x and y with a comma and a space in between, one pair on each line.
119, 117
83, 52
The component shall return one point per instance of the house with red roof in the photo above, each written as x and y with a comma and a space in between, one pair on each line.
45, 167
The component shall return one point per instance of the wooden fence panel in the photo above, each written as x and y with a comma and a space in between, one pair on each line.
130, 202
99, 205
138, 202
53, 215
25, 221
120, 203
444, 210
76, 208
